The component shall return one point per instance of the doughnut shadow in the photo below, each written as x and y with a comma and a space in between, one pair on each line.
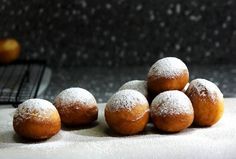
111, 133
154, 130
23, 140
20, 139
95, 129
193, 126
10, 137
151, 129
79, 127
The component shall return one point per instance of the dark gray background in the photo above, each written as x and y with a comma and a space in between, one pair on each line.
100, 44
121, 32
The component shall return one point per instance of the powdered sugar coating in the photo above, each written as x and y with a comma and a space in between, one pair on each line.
74, 95
171, 103
126, 99
205, 88
39, 108
168, 67
138, 85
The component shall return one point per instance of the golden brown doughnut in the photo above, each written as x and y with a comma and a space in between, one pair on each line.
169, 73
36, 119
127, 112
207, 100
138, 85
141, 86
171, 111
76, 106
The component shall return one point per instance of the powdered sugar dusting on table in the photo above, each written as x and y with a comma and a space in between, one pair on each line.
126, 99
96, 142
168, 67
171, 103
205, 88
138, 85
73, 95
39, 108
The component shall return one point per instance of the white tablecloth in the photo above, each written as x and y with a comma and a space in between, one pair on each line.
97, 141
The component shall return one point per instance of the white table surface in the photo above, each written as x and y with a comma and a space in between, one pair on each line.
97, 141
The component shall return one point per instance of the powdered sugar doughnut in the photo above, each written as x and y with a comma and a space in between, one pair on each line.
169, 73
138, 85
127, 112
36, 119
76, 106
207, 100
172, 111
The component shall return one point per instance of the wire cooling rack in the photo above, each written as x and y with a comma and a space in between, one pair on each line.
20, 81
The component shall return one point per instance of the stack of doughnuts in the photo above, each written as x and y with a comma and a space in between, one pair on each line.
167, 97
176, 103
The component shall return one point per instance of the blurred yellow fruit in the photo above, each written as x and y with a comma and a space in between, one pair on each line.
9, 50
